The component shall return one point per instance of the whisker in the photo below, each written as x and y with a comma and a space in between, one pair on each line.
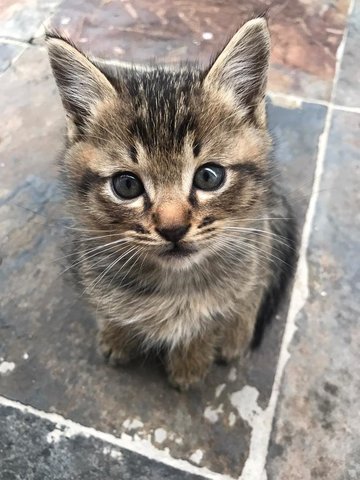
89, 239
256, 248
89, 230
90, 250
100, 249
230, 252
128, 260
263, 233
245, 242
254, 241
244, 248
145, 241
107, 269
85, 251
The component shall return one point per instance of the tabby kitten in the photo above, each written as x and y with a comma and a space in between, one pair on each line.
182, 238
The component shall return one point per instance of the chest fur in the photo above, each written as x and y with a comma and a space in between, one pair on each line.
169, 317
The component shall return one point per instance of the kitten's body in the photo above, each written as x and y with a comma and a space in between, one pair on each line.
191, 269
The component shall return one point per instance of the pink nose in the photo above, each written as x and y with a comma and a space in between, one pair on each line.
172, 220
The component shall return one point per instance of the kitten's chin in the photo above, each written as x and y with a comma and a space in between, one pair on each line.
179, 257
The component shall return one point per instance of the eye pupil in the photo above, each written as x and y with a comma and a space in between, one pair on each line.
209, 177
127, 186
206, 175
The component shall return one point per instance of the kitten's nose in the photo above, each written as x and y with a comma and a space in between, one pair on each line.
174, 234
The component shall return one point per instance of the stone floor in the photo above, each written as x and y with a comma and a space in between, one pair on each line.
291, 411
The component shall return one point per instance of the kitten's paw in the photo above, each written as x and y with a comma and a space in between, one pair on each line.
182, 381
110, 349
187, 366
183, 375
228, 353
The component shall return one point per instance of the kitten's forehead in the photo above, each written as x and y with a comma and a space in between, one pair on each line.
163, 107
165, 124
162, 120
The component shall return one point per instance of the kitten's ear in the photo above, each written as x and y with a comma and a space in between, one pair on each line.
241, 67
83, 87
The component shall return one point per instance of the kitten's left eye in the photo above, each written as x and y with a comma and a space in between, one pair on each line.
127, 185
209, 177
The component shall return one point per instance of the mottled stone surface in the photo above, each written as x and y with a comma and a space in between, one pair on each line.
347, 92
32, 448
45, 328
47, 335
32, 128
305, 34
8, 53
22, 19
316, 434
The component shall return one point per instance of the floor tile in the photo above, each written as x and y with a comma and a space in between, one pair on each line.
46, 330
8, 53
22, 19
32, 448
33, 124
316, 432
305, 35
348, 87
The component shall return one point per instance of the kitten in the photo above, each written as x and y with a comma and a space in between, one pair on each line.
183, 240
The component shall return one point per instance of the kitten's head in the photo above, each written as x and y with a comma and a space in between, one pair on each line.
167, 159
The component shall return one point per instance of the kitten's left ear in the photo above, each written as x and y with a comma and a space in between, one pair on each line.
83, 87
241, 67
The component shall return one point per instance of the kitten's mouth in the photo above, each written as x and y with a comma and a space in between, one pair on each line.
177, 250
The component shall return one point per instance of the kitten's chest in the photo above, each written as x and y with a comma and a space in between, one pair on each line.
169, 309
179, 317
174, 314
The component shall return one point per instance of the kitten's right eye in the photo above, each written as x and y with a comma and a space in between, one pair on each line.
127, 185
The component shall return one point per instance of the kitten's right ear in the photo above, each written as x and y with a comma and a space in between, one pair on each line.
83, 87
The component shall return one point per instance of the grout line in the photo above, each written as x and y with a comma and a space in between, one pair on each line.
282, 99
297, 100
15, 41
286, 99
255, 466
141, 447
342, 108
25, 44
14, 59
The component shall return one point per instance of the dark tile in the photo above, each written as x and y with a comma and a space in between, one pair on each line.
305, 35
46, 330
317, 425
348, 87
34, 448
32, 122
295, 129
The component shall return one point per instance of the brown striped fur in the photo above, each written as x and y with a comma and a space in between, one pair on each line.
162, 124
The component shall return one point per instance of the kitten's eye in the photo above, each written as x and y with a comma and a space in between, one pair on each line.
127, 185
209, 177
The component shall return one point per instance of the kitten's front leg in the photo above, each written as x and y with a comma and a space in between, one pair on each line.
237, 332
189, 364
116, 342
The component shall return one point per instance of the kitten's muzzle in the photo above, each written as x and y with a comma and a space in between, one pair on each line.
178, 250
173, 234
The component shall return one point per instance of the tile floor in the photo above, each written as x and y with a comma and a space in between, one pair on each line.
289, 412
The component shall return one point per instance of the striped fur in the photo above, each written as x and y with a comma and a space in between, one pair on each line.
210, 294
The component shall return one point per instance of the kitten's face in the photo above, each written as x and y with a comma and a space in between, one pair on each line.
168, 161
